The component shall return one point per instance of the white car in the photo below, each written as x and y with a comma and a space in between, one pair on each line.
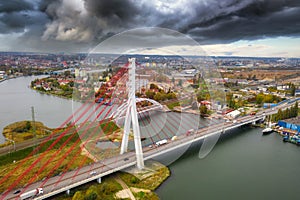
93, 173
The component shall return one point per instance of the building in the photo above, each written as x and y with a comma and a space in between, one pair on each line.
233, 114
292, 124
2, 74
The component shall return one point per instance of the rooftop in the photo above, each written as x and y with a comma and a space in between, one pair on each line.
295, 120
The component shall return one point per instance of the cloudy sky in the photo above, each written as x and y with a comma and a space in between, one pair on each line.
221, 27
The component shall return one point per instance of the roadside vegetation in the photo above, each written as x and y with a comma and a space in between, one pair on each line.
9, 162
286, 114
93, 191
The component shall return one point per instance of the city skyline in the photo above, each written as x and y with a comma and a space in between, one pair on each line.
222, 28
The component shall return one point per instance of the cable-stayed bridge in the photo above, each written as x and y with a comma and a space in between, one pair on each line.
67, 180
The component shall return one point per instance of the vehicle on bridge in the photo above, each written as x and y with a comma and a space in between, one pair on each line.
189, 132
31, 193
253, 113
161, 142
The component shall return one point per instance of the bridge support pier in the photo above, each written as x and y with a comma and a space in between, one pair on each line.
68, 192
132, 119
99, 180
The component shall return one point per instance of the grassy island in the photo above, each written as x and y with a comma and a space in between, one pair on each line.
25, 130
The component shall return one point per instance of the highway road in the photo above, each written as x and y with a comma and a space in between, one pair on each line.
31, 143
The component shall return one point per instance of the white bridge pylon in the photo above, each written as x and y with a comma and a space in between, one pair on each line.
131, 118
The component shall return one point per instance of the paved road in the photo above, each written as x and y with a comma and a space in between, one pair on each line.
125, 187
29, 143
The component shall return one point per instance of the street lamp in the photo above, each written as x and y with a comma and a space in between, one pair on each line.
12, 142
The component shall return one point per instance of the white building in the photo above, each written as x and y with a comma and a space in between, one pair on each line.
233, 114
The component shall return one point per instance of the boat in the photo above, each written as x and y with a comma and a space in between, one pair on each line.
267, 131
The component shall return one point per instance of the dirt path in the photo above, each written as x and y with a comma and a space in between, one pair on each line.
126, 192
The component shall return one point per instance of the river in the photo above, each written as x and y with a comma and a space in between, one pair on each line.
17, 99
243, 165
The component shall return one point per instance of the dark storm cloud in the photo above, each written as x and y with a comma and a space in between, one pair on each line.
13, 22
19, 15
246, 20
15, 5
16, 22
207, 21
113, 10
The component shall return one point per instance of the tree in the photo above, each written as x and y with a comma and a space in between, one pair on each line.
279, 115
67, 73
203, 110
134, 180
138, 94
150, 95
259, 98
91, 193
160, 96
292, 89
78, 196
27, 126
153, 86
294, 110
171, 95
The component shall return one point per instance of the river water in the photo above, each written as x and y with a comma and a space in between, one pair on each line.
16, 100
243, 165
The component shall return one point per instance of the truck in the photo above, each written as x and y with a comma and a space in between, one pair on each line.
31, 193
161, 142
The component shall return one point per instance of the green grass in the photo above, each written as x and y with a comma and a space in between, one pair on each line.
172, 105
150, 182
17, 155
146, 196
7, 161
23, 153
109, 127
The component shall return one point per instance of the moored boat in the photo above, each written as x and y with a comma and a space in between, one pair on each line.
267, 131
